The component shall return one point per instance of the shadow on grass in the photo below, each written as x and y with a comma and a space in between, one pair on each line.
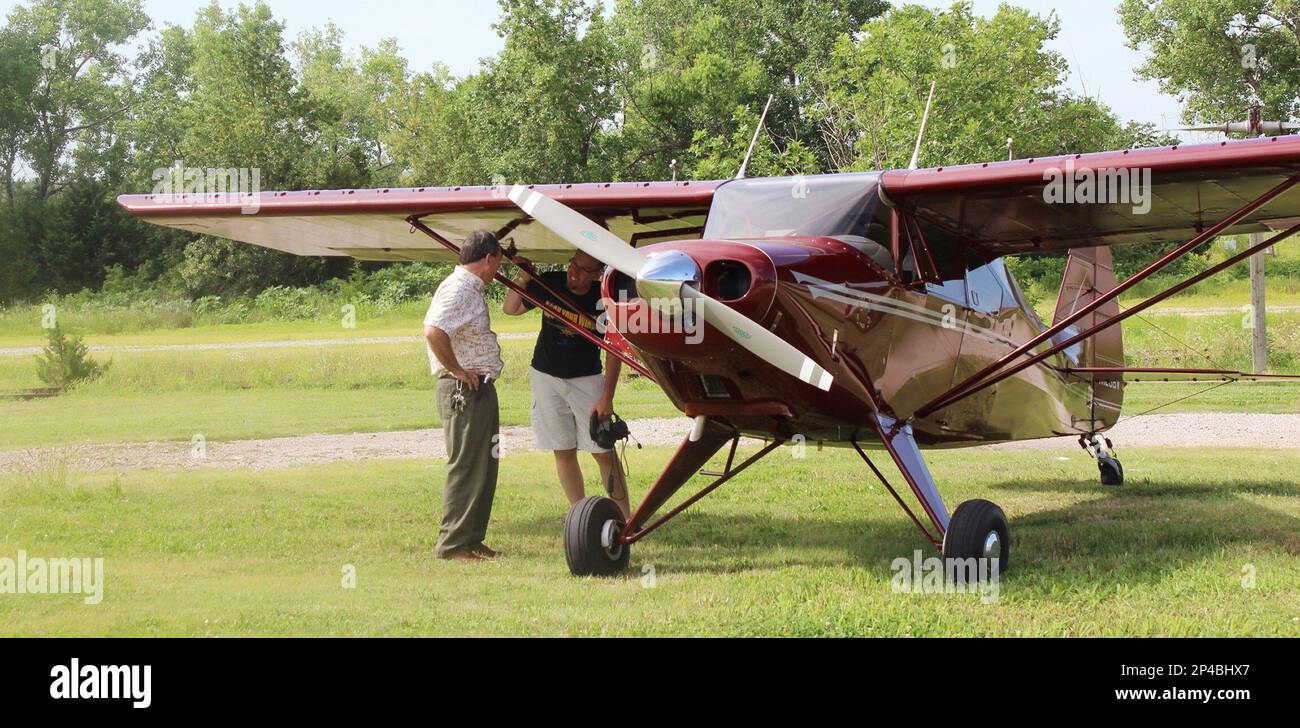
1141, 532
1135, 487
1147, 529
698, 541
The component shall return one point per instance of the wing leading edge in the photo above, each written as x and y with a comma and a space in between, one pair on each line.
1082, 200
373, 224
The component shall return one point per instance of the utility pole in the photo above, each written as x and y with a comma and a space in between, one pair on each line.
1259, 324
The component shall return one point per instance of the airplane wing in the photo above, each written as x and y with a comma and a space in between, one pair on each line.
373, 224
1151, 195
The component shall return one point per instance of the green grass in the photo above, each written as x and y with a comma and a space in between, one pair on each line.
1216, 292
21, 327
258, 393
1257, 397
791, 547
1219, 341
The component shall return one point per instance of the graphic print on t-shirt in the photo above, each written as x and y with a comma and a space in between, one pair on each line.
561, 352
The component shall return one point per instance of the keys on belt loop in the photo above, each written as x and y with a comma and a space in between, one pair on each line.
458, 397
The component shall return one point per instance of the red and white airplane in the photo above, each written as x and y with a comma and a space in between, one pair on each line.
865, 310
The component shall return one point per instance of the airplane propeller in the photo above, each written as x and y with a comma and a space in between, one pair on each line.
669, 275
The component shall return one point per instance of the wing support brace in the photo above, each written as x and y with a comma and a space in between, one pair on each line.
901, 444
417, 224
1002, 368
689, 458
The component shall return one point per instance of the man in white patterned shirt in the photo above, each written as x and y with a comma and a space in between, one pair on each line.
466, 359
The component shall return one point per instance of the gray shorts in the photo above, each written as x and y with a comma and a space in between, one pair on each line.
562, 410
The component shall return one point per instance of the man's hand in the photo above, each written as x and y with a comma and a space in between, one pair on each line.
524, 265
470, 377
604, 408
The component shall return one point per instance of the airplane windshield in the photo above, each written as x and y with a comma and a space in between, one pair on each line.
833, 205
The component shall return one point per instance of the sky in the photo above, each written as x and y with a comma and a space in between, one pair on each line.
458, 33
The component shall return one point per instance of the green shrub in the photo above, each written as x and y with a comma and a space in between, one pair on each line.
283, 302
66, 361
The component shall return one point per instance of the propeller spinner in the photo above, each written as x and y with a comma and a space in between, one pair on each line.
669, 276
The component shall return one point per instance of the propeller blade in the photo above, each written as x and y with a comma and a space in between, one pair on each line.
609, 249
579, 231
767, 345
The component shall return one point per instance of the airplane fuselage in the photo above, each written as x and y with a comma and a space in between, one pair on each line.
891, 347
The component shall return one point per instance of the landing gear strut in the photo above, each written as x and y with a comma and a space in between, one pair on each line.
976, 530
1100, 447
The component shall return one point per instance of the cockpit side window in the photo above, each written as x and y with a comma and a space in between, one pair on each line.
984, 281
871, 236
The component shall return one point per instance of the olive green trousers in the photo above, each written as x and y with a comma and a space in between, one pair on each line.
473, 452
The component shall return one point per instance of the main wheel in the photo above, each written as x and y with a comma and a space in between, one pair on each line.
1112, 472
978, 529
590, 538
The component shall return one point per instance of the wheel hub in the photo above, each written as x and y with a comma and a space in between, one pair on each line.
992, 545
609, 539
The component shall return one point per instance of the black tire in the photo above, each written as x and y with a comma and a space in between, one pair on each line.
1112, 472
583, 527
970, 527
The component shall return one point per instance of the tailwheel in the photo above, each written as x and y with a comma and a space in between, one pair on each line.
591, 532
978, 529
1100, 447
1112, 472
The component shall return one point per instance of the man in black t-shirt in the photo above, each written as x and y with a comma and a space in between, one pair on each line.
565, 377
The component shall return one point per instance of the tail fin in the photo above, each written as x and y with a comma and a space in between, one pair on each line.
1089, 273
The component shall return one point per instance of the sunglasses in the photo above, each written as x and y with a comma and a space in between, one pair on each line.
589, 271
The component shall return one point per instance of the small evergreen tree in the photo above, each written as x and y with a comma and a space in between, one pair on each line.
66, 361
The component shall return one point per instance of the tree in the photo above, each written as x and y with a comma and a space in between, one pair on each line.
996, 79
82, 83
223, 95
540, 109
65, 361
685, 68
18, 73
380, 124
1221, 58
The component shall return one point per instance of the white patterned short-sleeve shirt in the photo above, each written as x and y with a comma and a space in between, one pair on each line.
459, 310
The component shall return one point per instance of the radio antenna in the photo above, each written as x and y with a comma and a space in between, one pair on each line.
916, 153
757, 129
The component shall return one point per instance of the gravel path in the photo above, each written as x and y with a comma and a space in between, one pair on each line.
294, 343
1164, 430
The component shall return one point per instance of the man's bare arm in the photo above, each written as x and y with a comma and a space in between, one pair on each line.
613, 367
514, 303
440, 343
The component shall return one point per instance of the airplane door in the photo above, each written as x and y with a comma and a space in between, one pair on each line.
981, 343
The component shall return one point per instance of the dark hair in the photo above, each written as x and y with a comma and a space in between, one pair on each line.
479, 245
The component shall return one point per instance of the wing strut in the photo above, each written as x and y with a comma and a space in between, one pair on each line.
998, 370
554, 310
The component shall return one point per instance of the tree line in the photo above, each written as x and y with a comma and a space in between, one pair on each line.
94, 100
